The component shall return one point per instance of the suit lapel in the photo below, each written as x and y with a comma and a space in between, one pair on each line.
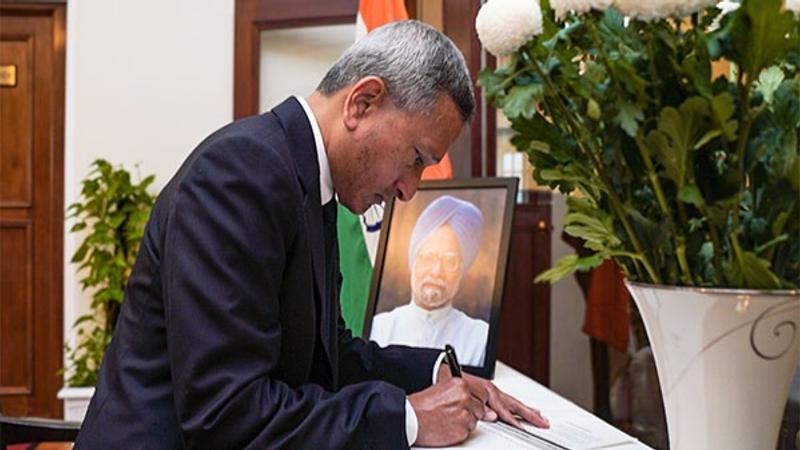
304, 153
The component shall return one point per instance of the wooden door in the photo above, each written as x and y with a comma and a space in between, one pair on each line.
31, 207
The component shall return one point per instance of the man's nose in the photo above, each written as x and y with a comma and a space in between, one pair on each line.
406, 187
438, 267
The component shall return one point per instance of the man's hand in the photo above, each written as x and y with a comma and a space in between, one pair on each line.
499, 404
446, 412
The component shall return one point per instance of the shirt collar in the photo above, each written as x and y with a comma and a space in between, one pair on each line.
325, 180
430, 316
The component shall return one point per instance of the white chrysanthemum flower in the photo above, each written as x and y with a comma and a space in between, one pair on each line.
646, 10
562, 7
728, 6
688, 7
793, 6
505, 25
725, 7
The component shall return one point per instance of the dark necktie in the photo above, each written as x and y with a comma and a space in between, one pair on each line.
329, 214
331, 248
321, 369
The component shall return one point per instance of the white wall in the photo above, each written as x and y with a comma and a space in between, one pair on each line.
146, 81
293, 61
570, 359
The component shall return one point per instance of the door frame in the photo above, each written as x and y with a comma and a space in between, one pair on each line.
254, 16
57, 10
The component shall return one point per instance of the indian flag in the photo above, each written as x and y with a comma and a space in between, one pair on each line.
358, 235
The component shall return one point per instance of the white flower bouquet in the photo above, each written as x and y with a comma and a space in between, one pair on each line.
677, 121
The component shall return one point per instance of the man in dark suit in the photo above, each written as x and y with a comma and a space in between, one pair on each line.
230, 335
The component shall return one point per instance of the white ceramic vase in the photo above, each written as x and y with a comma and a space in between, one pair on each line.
725, 360
76, 402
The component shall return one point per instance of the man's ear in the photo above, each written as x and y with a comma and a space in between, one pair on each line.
364, 97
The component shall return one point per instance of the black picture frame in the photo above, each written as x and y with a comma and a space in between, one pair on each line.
387, 275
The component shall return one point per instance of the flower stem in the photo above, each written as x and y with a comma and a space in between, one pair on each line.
678, 239
642, 259
588, 150
746, 120
505, 82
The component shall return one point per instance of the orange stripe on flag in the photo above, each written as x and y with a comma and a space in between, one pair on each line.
375, 13
441, 171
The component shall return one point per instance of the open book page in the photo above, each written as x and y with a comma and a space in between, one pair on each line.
578, 430
572, 432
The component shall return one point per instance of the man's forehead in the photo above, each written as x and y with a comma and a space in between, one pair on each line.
443, 234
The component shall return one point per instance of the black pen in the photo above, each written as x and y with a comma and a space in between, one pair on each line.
452, 361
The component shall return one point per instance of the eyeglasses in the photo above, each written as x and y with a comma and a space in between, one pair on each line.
451, 261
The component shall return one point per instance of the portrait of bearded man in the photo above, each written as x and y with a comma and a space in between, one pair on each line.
443, 245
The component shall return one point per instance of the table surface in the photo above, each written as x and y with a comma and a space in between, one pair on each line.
534, 394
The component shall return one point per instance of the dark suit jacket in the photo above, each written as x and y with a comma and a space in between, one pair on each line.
230, 334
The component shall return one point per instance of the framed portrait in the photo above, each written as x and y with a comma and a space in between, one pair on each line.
440, 269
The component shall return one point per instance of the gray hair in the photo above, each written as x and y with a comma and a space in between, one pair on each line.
417, 63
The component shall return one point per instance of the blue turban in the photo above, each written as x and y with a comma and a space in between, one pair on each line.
464, 218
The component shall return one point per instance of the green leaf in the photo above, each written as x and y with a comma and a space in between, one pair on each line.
116, 219
696, 223
80, 254
598, 233
711, 134
749, 271
629, 116
595, 73
706, 258
593, 109
590, 262
794, 174
786, 104
490, 80
697, 66
79, 226
771, 243
679, 130
759, 31
567, 265
690, 193
779, 223
768, 82
563, 267
520, 101
722, 105
562, 35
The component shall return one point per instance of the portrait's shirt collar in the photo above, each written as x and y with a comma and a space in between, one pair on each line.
325, 180
435, 316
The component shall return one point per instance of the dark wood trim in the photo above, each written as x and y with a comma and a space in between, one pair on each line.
411, 8
491, 127
458, 17
55, 328
254, 16
271, 13
524, 342
49, 331
246, 49
27, 226
29, 3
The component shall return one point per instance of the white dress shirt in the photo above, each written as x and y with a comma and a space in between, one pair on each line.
326, 194
417, 327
